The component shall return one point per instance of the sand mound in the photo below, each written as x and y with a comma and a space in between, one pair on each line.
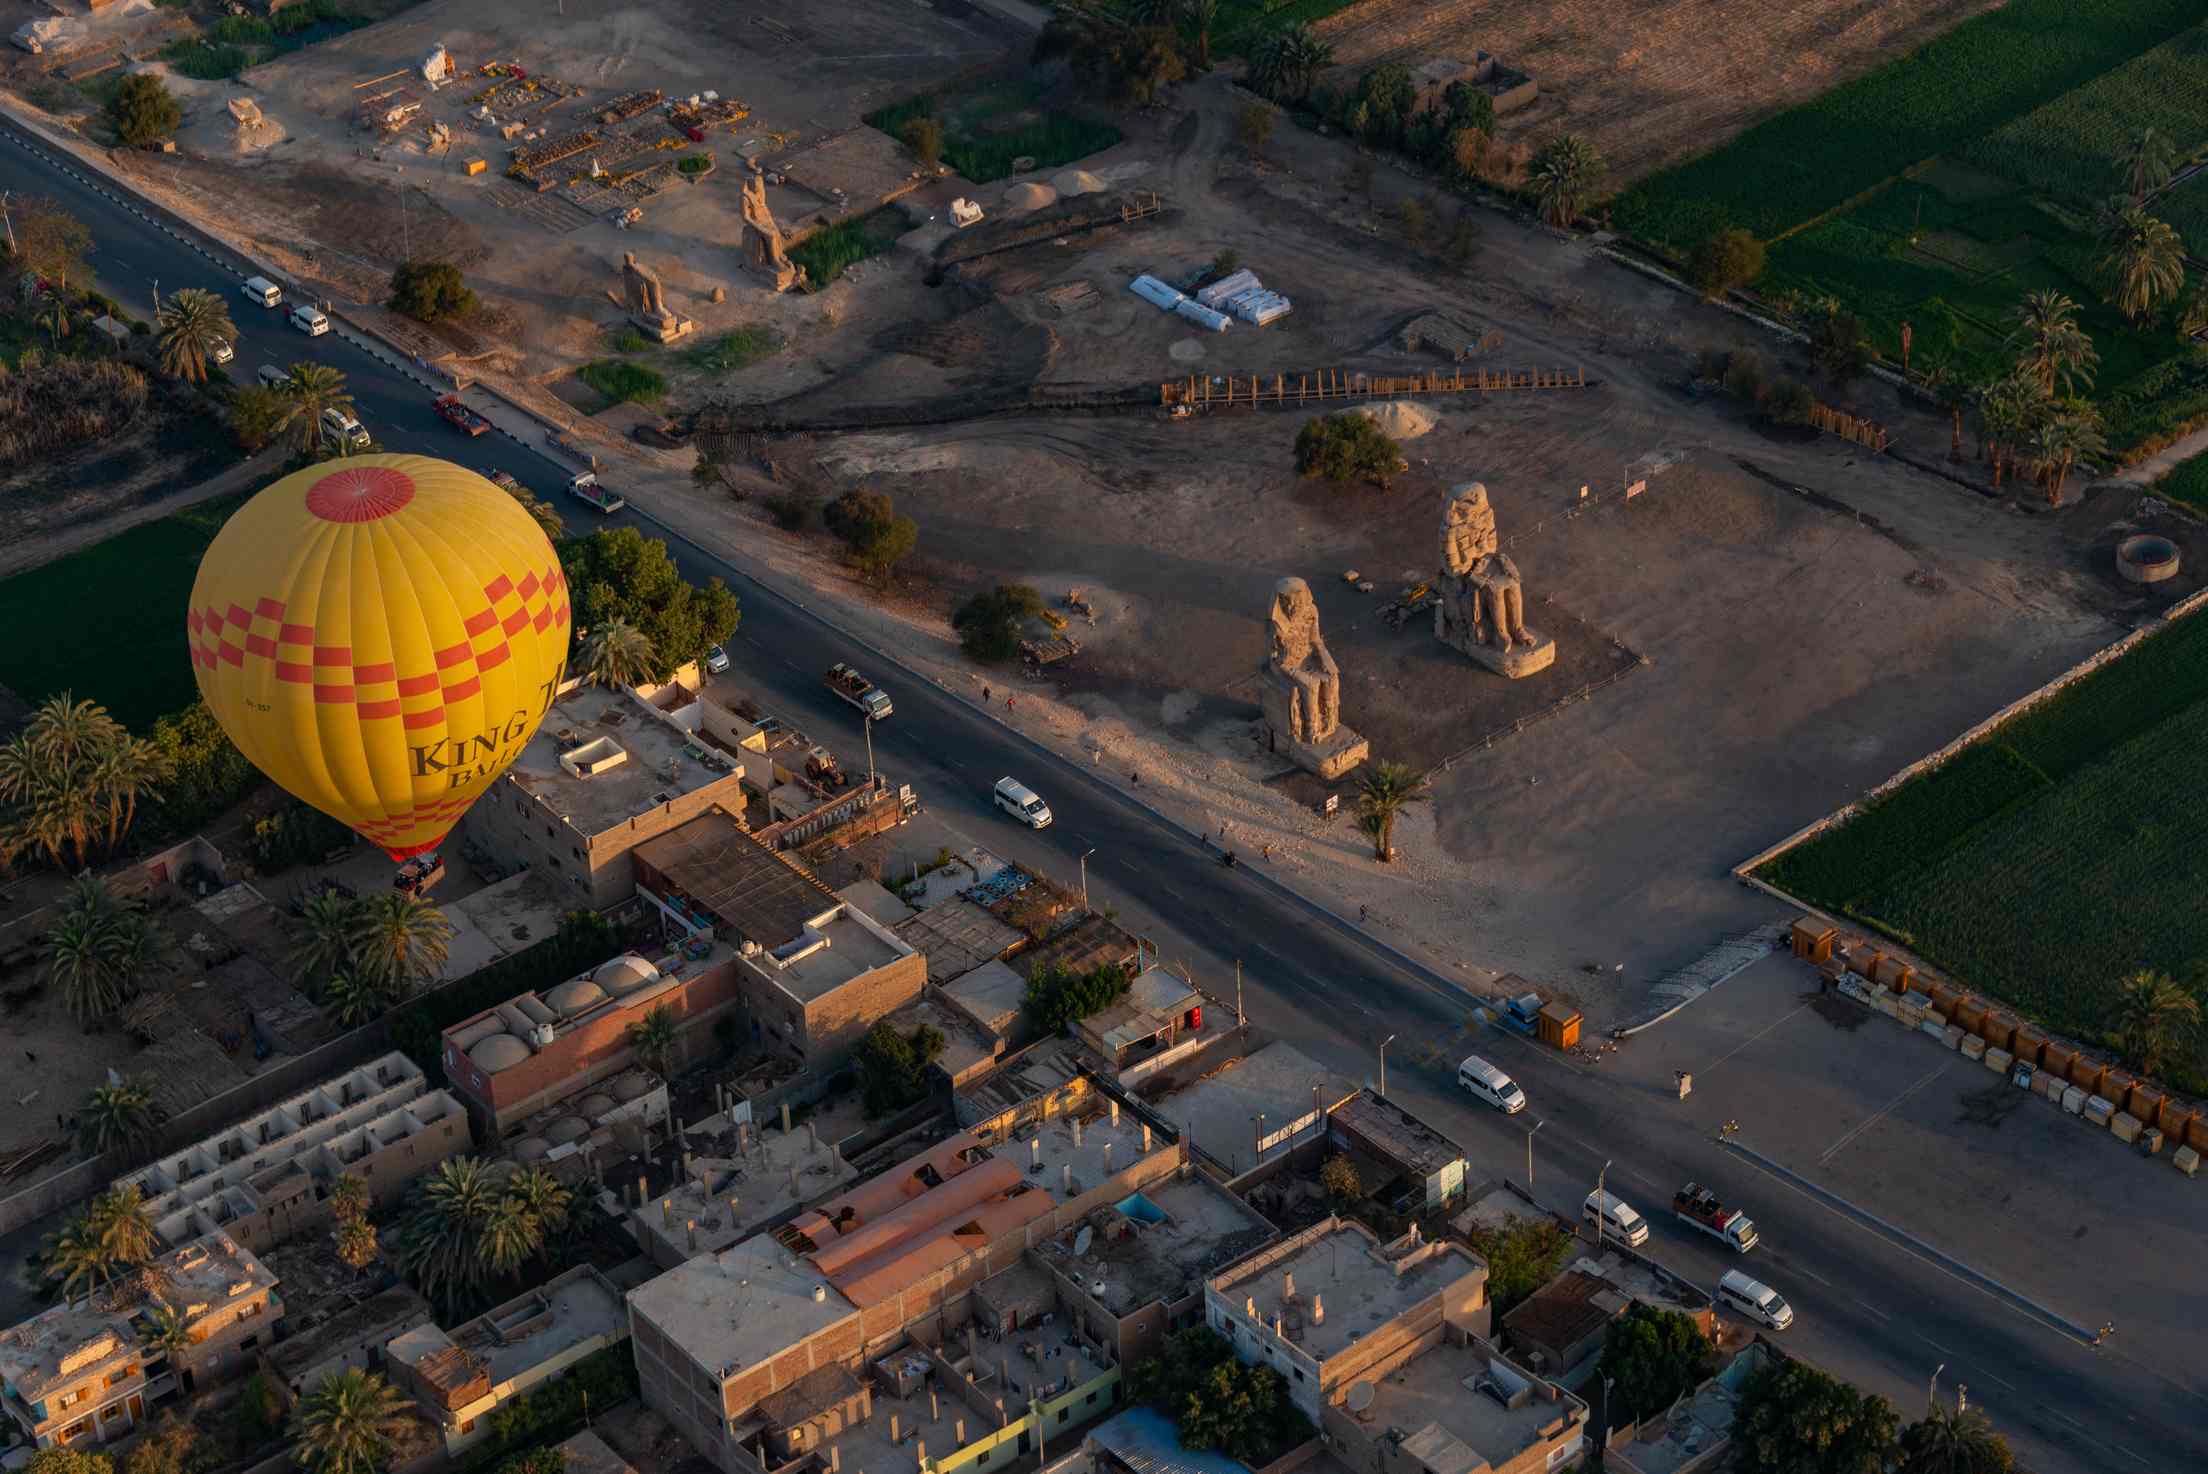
1075, 181
1401, 419
1029, 197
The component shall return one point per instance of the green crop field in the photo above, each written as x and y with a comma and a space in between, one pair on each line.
2054, 856
108, 623
986, 129
1978, 77
2187, 482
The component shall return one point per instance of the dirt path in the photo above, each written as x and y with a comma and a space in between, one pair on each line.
45, 547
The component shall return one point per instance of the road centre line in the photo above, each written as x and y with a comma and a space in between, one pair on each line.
1880, 1114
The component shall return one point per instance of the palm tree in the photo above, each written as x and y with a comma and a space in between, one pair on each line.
78, 1258
2153, 1015
2192, 318
356, 1243
97, 949
1286, 64
1954, 1441
311, 389
2143, 259
510, 1236
166, 1331
2070, 435
124, 1223
2010, 412
654, 1037
347, 1423
1952, 392
1385, 790
194, 322
73, 772
1565, 176
2054, 346
124, 771
65, 728
117, 1118
348, 1198
2146, 163
617, 654
544, 1197
353, 1000
399, 942
1201, 15
53, 316
437, 1246
328, 922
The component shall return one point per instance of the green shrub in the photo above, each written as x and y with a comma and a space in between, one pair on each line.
1347, 447
1730, 258
1056, 996
1790, 402
1744, 376
738, 348
826, 254
990, 625
791, 510
2187, 482
622, 381
694, 163
142, 109
294, 835
430, 291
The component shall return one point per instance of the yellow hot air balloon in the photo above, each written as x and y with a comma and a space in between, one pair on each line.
381, 636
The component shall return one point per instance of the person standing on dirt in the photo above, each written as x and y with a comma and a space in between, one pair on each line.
985, 696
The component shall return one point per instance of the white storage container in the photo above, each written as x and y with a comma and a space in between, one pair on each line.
1219, 291
1156, 293
1204, 317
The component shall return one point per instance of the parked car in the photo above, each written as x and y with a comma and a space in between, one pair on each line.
222, 352
1018, 800
261, 291
274, 377
340, 428
716, 660
1490, 1086
309, 320
1614, 1218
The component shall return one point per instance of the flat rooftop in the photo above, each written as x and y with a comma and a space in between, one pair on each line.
742, 1305
1162, 1243
742, 884
875, 899
586, 1453
1083, 947
831, 953
991, 994
1083, 1150
1697, 1423
1453, 1427
346, 1338
1036, 1071
1403, 1137
957, 936
531, 1329
1641, 1281
1220, 1112
1340, 1268
740, 1179
966, 1044
657, 762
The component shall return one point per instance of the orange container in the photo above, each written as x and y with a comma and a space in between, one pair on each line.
2117, 1086
1943, 997
2145, 1105
2028, 1046
2087, 1071
1968, 1014
1892, 973
2179, 1120
1997, 1029
1864, 961
2056, 1058
2196, 1133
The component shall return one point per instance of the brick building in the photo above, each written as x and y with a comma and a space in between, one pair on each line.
82, 1373
267, 1179
815, 971
604, 773
532, 1051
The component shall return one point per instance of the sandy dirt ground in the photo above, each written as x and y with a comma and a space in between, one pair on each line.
1653, 82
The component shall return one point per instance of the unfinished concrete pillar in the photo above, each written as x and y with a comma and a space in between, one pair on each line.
971, 1349
1279, 1329
794, 1189
1035, 1153
920, 1450
1107, 1159
1146, 1138
894, 1436
835, 1458
1065, 1177
689, 1167
1115, 1113
1004, 1377
785, 1118
812, 1133
935, 1405
692, 1225
666, 1212
1288, 1286
643, 1192
1076, 1130
958, 1432
1318, 1310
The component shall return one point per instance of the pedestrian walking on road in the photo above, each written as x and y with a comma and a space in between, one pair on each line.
985, 696
1363, 912
1011, 701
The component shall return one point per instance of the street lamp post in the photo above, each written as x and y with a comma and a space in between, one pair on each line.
1932, 1388
1529, 1153
1602, 1211
869, 752
1384, 1065
1085, 878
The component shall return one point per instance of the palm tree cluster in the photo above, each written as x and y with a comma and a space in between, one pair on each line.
2142, 258
355, 1236
71, 781
99, 949
653, 1038
118, 1118
292, 409
109, 1239
194, 324
1565, 176
367, 955
50, 404
347, 1423
2033, 418
470, 1222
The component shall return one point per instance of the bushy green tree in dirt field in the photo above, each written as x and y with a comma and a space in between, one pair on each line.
430, 291
876, 538
1790, 402
1058, 995
142, 109
1653, 1357
1727, 259
618, 573
46, 240
990, 625
256, 414
1839, 345
1119, 55
1347, 447
1794, 1419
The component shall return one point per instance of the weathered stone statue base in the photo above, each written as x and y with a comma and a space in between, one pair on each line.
1532, 653
1341, 751
662, 327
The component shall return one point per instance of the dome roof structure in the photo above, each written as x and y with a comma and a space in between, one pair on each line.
531, 1149
575, 995
497, 1052
566, 1129
624, 975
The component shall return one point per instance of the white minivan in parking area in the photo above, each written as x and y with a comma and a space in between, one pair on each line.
1754, 1299
1614, 1218
1490, 1085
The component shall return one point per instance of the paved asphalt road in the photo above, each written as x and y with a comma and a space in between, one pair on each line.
1864, 1309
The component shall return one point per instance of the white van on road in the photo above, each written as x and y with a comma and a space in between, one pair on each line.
262, 292
1490, 1085
309, 320
1754, 1299
1614, 1218
1018, 800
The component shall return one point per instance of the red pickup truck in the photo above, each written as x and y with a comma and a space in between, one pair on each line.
459, 416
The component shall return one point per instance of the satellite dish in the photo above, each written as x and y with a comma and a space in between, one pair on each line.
1082, 1240
1361, 1395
